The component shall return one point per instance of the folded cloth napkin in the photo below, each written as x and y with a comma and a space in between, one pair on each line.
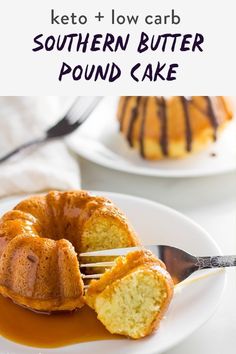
40, 168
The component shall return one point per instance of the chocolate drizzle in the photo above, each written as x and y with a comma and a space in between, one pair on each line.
188, 129
123, 111
161, 113
212, 117
134, 116
142, 129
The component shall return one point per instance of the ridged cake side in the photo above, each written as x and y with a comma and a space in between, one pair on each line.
39, 242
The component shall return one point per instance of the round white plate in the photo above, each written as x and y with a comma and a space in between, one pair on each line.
189, 309
99, 141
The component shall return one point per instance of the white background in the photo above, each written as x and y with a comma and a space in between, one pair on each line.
24, 72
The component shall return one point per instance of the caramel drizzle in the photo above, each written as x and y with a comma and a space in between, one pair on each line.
162, 114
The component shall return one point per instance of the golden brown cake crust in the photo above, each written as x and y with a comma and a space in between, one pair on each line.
122, 268
39, 242
162, 127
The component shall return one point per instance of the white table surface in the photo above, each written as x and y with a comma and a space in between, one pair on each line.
210, 201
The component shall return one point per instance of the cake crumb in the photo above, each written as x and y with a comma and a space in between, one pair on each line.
213, 154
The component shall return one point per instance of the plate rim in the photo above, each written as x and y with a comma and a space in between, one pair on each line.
169, 210
135, 169
146, 172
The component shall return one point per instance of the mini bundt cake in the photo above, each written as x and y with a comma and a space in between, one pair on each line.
161, 127
132, 297
39, 242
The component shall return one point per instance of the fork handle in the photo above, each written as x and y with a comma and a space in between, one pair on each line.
216, 262
22, 147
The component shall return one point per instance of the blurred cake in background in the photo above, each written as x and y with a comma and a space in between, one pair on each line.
161, 127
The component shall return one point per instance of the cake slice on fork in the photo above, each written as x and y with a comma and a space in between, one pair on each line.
132, 297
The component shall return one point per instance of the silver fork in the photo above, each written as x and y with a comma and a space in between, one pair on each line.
74, 117
179, 263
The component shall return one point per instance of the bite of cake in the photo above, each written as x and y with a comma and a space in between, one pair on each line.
132, 297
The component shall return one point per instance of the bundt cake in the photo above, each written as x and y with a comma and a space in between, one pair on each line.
161, 127
132, 297
39, 242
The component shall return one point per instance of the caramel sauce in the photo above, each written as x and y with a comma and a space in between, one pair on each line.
50, 331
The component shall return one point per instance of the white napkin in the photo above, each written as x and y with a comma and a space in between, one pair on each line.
49, 166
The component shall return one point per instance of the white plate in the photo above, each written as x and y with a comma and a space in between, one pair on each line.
190, 308
99, 141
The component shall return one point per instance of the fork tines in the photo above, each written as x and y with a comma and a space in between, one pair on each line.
112, 252
104, 264
97, 264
